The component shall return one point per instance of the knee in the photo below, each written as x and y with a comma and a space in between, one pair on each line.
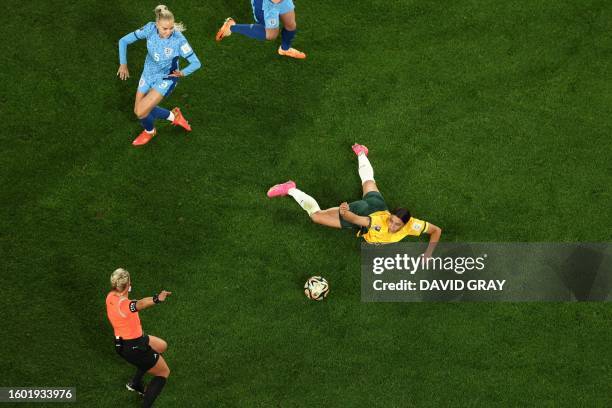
165, 373
139, 112
316, 217
291, 26
163, 346
271, 34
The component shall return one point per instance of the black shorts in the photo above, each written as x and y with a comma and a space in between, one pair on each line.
137, 352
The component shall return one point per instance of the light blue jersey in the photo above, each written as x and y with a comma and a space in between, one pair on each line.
268, 13
162, 58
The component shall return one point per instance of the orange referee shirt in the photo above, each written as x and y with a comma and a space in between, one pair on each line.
123, 316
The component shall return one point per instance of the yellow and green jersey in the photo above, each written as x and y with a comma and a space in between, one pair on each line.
378, 231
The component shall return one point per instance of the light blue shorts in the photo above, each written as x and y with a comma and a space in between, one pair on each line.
164, 86
267, 13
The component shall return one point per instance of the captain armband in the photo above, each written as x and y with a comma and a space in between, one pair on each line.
133, 306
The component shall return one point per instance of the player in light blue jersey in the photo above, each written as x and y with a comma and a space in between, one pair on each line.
268, 15
165, 45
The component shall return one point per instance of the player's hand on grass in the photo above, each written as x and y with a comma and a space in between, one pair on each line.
163, 295
176, 74
123, 73
344, 207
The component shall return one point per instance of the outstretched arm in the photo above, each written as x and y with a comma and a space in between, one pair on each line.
353, 218
434, 236
126, 40
152, 300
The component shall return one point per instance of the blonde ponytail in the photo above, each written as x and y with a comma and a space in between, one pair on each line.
163, 13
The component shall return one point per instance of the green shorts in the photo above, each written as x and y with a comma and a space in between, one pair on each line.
370, 203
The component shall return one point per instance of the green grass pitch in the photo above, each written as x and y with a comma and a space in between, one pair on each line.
490, 119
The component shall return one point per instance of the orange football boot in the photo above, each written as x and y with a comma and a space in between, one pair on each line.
179, 120
144, 138
225, 31
291, 52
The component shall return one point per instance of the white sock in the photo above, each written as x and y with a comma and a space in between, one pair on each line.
171, 117
150, 131
366, 172
305, 201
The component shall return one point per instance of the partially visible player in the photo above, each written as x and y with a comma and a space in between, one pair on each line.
165, 44
268, 15
370, 216
137, 348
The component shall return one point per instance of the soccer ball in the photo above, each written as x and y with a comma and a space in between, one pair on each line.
316, 288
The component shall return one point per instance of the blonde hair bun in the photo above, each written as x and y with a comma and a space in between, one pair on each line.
120, 279
163, 13
160, 9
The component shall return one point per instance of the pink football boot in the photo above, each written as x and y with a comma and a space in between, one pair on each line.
358, 149
280, 190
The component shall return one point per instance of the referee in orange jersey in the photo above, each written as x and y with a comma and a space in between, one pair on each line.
131, 343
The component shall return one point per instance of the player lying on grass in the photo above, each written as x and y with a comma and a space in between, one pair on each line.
165, 44
268, 15
131, 343
370, 215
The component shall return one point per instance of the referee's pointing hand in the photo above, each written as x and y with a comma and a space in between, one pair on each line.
163, 295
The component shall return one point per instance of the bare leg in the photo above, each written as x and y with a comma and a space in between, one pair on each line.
369, 186
144, 104
158, 344
160, 369
329, 218
288, 34
288, 20
272, 33
139, 96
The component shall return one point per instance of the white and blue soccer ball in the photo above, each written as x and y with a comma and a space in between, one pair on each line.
316, 288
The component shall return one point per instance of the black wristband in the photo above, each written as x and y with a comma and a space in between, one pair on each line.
156, 299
